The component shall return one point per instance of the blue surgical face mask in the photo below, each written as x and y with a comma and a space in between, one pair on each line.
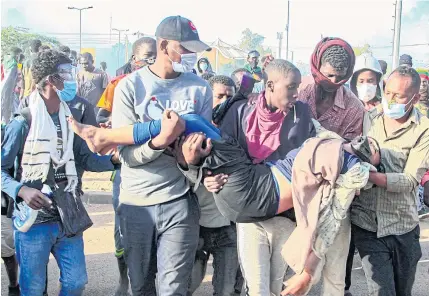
204, 66
395, 111
69, 91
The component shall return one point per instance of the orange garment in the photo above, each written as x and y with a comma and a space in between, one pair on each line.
106, 99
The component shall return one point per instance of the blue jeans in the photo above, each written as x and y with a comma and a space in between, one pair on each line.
222, 244
160, 240
119, 247
32, 251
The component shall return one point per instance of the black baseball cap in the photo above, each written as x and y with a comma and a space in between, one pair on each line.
405, 59
183, 30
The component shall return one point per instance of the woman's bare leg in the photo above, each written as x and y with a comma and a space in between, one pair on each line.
98, 139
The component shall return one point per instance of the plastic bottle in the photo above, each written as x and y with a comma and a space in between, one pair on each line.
25, 216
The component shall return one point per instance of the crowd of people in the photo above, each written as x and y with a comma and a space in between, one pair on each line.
233, 167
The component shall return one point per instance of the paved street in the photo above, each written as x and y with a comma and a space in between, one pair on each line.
102, 269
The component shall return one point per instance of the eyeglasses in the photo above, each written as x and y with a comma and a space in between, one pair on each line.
66, 74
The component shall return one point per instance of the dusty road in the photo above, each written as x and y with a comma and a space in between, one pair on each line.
102, 269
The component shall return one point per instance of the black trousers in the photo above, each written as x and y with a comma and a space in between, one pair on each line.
349, 264
389, 262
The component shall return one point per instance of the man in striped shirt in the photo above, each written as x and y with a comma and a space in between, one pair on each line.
385, 220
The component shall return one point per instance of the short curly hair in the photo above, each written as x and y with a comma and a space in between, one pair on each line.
207, 76
35, 45
15, 51
44, 47
282, 67
87, 56
410, 72
221, 79
337, 57
64, 48
235, 78
46, 63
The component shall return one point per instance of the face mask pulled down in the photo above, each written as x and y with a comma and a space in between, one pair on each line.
186, 64
395, 111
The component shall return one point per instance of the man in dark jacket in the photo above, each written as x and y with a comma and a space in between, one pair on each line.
283, 80
144, 52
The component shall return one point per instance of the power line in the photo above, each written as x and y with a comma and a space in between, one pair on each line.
406, 45
50, 33
371, 47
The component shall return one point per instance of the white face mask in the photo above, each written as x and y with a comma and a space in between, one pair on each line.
366, 91
187, 62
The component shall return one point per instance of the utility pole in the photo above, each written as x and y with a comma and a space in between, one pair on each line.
291, 59
138, 33
126, 48
80, 24
397, 34
287, 29
110, 34
119, 42
280, 38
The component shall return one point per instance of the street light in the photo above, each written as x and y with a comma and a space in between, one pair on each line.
80, 24
138, 33
287, 30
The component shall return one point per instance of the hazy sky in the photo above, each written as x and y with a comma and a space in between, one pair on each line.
359, 22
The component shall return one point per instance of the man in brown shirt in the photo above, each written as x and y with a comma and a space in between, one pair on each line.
91, 81
385, 220
331, 103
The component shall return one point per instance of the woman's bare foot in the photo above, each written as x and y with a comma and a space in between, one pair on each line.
93, 136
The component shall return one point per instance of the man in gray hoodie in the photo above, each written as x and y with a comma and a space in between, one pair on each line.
159, 215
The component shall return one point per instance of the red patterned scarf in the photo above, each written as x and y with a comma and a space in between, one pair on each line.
316, 62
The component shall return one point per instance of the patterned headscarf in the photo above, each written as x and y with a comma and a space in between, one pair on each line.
316, 62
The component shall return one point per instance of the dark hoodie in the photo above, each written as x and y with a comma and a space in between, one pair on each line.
209, 68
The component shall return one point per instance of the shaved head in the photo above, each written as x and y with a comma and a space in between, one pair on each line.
281, 88
279, 68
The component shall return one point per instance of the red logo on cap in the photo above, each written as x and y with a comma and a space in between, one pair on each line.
192, 26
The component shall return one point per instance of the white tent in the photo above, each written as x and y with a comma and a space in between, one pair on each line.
226, 50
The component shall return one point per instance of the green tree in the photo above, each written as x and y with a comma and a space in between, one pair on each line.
11, 37
250, 41
362, 49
